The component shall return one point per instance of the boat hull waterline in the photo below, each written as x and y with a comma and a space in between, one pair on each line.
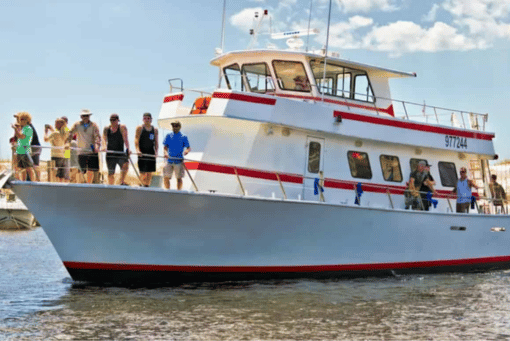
113, 234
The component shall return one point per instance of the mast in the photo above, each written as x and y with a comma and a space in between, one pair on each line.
326, 52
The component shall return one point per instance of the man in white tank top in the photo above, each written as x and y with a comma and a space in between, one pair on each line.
463, 191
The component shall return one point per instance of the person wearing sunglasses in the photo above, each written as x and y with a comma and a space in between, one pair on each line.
115, 136
463, 191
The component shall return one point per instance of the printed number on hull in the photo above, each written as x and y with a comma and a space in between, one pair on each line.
455, 142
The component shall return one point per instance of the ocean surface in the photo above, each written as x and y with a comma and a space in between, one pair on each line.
38, 301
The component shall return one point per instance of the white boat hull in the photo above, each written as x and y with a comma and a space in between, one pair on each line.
116, 234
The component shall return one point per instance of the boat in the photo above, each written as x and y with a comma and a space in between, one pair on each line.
13, 213
298, 169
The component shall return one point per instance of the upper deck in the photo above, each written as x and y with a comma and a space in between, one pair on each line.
309, 91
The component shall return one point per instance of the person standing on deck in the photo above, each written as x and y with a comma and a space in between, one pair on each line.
89, 142
498, 194
115, 136
23, 133
421, 180
463, 191
57, 138
146, 143
176, 147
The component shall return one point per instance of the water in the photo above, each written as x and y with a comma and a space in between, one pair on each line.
39, 302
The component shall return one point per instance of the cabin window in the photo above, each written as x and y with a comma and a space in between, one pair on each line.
448, 174
343, 82
359, 165
362, 89
314, 157
414, 163
258, 77
390, 166
291, 76
339, 81
233, 77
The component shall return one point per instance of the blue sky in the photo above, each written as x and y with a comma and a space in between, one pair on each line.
58, 57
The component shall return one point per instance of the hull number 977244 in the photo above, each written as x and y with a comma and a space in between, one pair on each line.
455, 142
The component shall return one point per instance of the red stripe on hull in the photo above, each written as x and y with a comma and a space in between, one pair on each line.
244, 98
244, 172
286, 269
412, 125
298, 179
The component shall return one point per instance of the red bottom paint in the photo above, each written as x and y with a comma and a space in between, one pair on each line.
141, 273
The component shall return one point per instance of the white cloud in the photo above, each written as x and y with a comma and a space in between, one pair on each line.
349, 6
406, 36
431, 15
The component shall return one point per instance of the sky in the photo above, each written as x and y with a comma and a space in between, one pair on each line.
112, 56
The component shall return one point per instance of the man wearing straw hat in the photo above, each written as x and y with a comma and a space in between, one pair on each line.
89, 142
176, 147
23, 132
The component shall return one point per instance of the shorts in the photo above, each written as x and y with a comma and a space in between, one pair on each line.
463, 207
62, 169
177, 168
147, 164
88, 162
113, 161
35, 158
23, 161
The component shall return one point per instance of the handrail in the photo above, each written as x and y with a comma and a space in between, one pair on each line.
384, 188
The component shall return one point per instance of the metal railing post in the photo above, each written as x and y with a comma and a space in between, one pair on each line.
239, 180
281, 186
190, 177
405, 110
389, 197
437, 118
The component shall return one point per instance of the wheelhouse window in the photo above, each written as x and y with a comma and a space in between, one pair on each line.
233, 77
314, 157
362, 89
341, 81
258, 77
448, 174
359, 165
291, 76
390, 166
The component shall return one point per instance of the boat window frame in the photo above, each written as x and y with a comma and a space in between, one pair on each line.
354, 93
399, 167
269, 77
347, 70
350, 163
279, 83
310, 155
440, 168
240, 78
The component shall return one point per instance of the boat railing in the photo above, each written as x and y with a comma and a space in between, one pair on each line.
412, 111
484, 204
422, 112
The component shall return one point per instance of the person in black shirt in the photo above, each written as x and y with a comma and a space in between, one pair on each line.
146, 143
115, 136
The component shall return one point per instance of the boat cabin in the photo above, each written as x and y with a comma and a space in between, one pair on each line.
283, 122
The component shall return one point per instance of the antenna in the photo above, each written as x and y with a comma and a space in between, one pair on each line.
255, 31
222, 42
326, 49
309, 20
